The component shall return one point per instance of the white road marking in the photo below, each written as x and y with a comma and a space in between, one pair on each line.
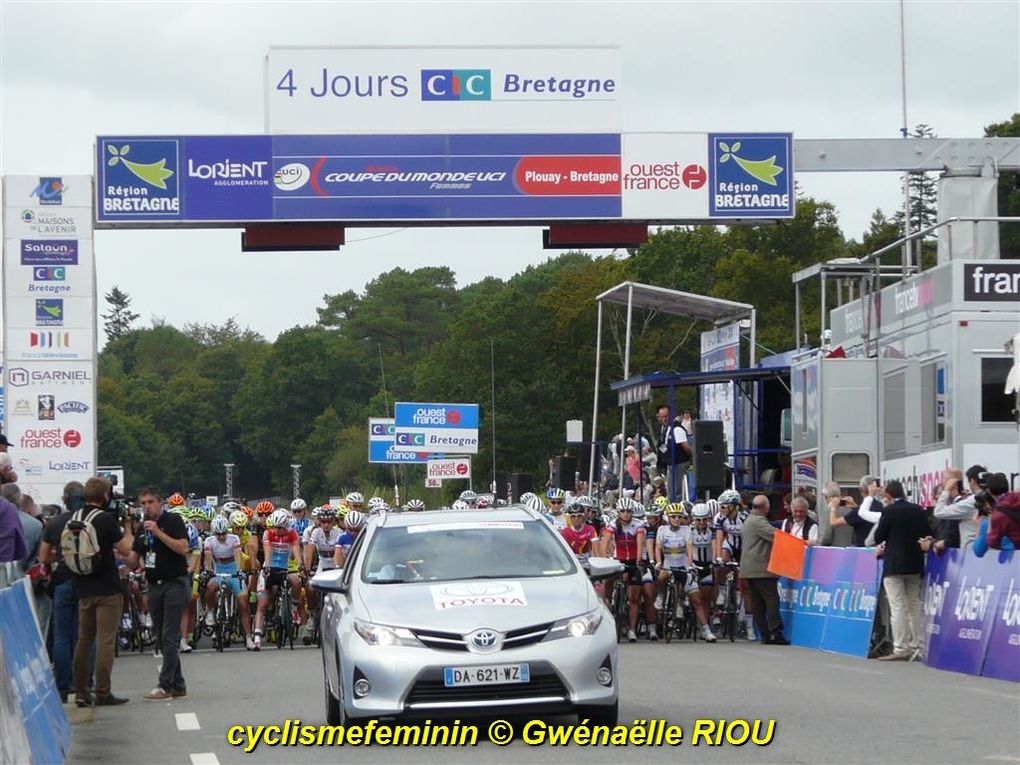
187, 721
1002, 758
204, 758
993, 693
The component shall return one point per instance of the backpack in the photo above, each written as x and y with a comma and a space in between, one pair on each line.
79, 543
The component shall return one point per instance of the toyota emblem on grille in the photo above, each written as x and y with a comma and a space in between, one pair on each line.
484, 640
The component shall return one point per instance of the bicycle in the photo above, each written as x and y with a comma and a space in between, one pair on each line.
134, 634
226, 623
732, 603
677, 616
284, 625
619, 606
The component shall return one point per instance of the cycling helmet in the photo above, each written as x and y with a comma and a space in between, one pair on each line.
660, 501
626, 503
468, 496
483, 503
713, 506
238, 519
414, 506
639, 510
247, 510
355, 498
460, 505
264, 508
326, 513
278, 519
220, 525
556, 494
535, 503
377, 505
729, 497
584, 502
701, 510
677, 508
209, 511
230, 507
175, 500
298, 505
526, 497
575, 508
655, 510
354, 519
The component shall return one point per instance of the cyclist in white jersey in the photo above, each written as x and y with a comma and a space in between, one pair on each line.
674, 551
728, 527
223, 558
322, 540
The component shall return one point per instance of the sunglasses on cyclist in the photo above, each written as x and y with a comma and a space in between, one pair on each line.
555, 501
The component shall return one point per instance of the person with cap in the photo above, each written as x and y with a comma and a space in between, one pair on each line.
4, 443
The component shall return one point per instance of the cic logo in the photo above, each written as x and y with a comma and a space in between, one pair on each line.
456, 85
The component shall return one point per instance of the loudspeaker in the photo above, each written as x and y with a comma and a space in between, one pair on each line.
709, 456
520, 483
502, 485
584, 460
566, 472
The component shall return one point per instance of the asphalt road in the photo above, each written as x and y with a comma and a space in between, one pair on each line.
827, 708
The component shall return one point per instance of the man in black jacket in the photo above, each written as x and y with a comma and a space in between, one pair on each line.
901, 526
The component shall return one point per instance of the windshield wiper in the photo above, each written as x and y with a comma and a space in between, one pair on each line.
389, 581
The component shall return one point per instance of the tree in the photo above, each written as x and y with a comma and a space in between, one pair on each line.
120, 316
923, 193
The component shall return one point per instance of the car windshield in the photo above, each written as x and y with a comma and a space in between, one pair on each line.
444, 551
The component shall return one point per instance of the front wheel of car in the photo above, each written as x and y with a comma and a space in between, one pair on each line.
599, 714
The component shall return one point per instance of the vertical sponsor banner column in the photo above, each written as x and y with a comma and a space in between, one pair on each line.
720, 350
49, 312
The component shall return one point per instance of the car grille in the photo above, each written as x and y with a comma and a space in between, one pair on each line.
429, 688
452, 641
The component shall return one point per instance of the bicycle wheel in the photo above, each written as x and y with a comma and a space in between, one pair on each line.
730, 614
282, 615
667, 617
621, 609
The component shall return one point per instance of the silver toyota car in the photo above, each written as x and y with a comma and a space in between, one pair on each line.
453, 613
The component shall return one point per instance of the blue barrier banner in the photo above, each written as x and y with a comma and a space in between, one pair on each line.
833, 607
24, 656
971, 613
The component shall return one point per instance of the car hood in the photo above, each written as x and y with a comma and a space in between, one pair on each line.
466, 605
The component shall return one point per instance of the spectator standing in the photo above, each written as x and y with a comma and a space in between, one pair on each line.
13, 545
673, 447
99, 597
65, 590
954, 505
31, 528
7, 474
999, 529
800, 524
862, 518
762, 585
163, 550
901, 526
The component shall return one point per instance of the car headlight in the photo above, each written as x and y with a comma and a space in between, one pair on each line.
378, 634
576, 626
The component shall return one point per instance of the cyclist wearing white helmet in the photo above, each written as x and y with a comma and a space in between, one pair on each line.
625, 540
301, 521
280, 545
534, 503
459, 505
223, 559
355, 522
674, 551
728, 525
557, 498
469, 498
414, 506
355, 501
526, 497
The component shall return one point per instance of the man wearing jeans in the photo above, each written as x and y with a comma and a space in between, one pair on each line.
901, 526
99, 598
163, 551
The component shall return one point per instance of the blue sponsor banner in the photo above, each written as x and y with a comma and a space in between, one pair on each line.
49, 252
418, 415
750, 175
833, 607
237, 179
972, 613
381, 434
28, 669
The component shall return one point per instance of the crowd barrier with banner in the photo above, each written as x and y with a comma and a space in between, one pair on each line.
33, 725
832, 607
972, 613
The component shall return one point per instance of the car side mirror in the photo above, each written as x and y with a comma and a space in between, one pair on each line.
329, 581
603, 568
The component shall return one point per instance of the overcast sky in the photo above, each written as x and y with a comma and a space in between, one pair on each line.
71, 71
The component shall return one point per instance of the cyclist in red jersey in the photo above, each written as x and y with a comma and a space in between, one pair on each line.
624, 540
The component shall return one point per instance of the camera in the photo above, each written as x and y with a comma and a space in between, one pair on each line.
118, 505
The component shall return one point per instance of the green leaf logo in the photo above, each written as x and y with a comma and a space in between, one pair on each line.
764, 170
152, 173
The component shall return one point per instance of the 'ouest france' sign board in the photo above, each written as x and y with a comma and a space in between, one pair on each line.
450, 428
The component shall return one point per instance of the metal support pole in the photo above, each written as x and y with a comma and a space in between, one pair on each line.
821, 325
595, 406
492, 373
796, 315
626, 376
672, 448
296, 475
228, 468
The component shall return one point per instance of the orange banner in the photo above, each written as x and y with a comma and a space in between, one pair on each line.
787, 557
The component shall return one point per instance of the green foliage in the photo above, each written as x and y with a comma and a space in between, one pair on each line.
1009, 191
119, 318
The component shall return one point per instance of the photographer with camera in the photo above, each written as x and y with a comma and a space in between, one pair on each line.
998, 515
954, 504
861, 519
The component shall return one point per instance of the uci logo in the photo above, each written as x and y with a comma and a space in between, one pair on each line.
410, 439
456, 85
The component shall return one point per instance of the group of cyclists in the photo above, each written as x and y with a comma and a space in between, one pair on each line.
257, 551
